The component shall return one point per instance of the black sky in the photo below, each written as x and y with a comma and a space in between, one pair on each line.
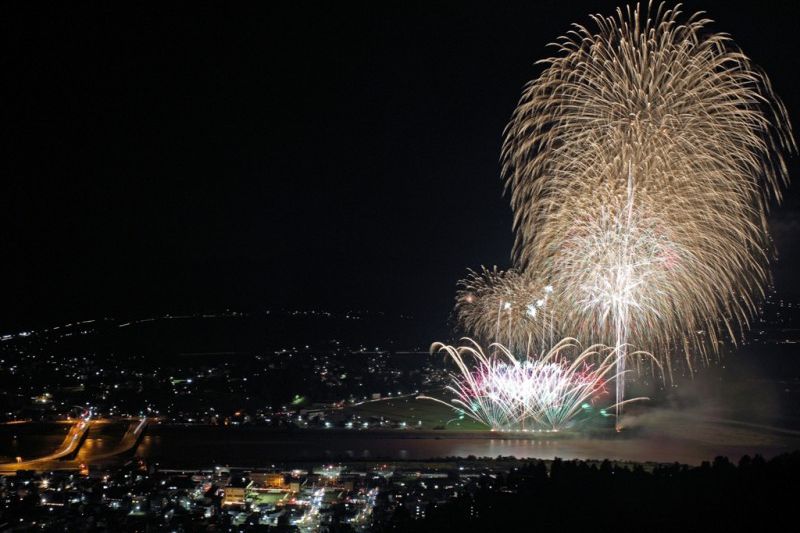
171, 159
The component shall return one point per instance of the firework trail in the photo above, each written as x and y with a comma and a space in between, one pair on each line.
509, 307
640, 166
545, 392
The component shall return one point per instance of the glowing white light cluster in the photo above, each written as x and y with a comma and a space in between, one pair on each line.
541, 393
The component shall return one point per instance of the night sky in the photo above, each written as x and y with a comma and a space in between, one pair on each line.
162, 159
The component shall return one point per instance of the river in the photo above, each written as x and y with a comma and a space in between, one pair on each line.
669, 437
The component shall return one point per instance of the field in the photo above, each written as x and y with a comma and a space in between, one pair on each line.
417, 414
425, 414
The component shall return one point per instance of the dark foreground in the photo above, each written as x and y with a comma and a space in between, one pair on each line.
502, 494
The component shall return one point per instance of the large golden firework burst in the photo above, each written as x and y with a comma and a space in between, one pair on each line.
640, 166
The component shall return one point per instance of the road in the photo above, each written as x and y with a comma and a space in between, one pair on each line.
68, 447
57, 460
128, 441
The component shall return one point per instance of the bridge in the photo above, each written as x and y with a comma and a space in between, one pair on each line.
127, 444
67, 450
63, 458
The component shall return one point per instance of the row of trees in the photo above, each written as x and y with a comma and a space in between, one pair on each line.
716, 496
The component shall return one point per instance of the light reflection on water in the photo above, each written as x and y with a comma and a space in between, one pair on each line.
660, 436
254, 447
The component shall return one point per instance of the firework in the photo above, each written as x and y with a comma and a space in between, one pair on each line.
544, 392
640, 166
509, 307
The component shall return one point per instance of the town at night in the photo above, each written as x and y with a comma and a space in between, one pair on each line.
355, 268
